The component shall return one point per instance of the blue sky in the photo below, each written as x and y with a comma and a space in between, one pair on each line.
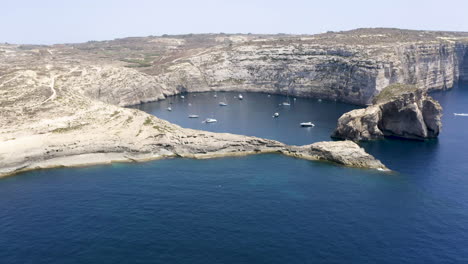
65, 21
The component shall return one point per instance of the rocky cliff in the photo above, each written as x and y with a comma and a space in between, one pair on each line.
347, 73
400, 111
351, 66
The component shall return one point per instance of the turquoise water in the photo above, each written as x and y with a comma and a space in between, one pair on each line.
255, 209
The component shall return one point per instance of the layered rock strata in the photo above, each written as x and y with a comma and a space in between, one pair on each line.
400, 111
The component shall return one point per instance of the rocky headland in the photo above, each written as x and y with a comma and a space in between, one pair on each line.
402, 111
62, 104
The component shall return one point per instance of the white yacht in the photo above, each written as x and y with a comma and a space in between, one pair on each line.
193, 116
276, 115
210, 120
307, 124
460, 114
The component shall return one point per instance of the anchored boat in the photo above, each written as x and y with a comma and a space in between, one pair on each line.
307, 124
210, 120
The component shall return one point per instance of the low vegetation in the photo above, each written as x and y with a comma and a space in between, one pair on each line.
393, 90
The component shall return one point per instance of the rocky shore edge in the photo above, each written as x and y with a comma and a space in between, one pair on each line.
345, 153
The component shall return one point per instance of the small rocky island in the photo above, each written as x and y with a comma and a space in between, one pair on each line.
63, 105
402, 111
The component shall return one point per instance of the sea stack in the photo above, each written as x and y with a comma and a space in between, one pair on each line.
402, 111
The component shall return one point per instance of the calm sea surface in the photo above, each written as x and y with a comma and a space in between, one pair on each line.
255, 209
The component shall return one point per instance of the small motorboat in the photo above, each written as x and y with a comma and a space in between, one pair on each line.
169, 109
182, 96
286, 104
319, 100
240, 97
222, 104
215, 95
269, 95
193, 116
210, 120
307, 124
460, 114
275, 115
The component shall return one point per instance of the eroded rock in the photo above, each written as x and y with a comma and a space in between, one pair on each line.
400, 111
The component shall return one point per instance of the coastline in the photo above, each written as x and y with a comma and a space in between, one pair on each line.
92, 159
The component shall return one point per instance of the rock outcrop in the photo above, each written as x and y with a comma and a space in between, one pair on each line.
400, 111
345, 153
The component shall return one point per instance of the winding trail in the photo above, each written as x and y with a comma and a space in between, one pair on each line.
54, 92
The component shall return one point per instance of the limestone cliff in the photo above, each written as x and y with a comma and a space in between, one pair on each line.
347, 73
351, 66
399, 110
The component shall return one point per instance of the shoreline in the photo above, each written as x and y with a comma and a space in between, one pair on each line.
93, 159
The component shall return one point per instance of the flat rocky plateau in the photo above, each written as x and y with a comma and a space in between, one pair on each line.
62, 105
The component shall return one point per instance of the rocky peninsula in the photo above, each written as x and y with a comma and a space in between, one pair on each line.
62, 105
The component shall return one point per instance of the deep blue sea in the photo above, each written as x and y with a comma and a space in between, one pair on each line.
255, 209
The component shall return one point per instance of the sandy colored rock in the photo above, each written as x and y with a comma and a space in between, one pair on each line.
346, 153
399, 111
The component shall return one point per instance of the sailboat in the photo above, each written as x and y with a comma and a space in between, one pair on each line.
223, 103
288, 103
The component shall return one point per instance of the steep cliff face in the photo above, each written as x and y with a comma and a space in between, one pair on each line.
352, 66
400, 110
430, 66
464, 66
345, 73
297, 69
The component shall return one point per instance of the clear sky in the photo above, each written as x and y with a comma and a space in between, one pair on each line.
65, 21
